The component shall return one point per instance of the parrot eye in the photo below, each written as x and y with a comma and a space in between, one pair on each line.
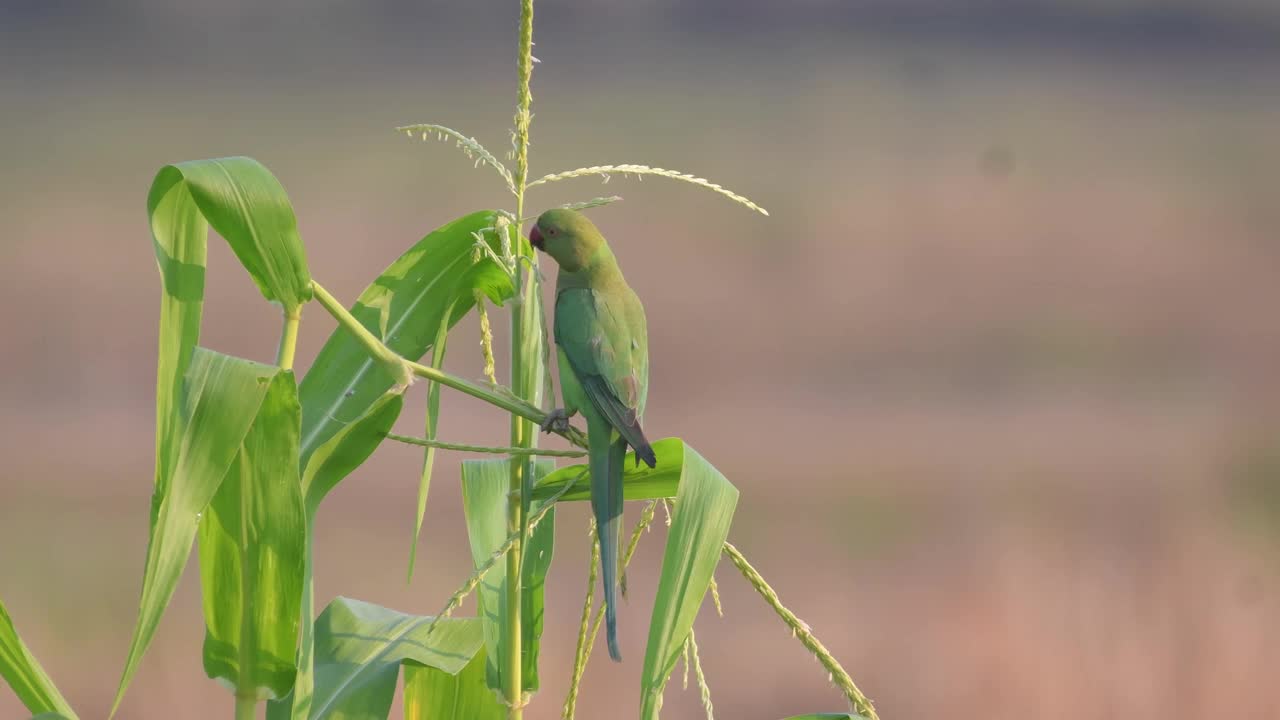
552, 231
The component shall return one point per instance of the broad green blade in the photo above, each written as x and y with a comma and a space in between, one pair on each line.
431, 694
359, 648
205, 402
252, 542
337, 458
404, 308
638, 482
484, 502
347, 449
221, 398
22, 671
703, 511
245, 203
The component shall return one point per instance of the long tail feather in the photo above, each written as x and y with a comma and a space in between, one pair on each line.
606, 461
645, 452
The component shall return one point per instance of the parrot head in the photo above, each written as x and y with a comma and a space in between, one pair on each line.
567, 236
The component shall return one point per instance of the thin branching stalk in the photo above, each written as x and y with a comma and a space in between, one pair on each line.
592, 203
715, 595
469, 145
703, 689
482, 250
580, 650
800, 630
486, 340
524, 101
607, 171
684, 679
462, 447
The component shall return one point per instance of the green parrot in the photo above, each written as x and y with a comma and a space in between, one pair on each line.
603, 347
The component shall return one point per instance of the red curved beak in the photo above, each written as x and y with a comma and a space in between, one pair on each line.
535, 238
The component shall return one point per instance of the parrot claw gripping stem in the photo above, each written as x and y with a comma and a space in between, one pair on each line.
557, 421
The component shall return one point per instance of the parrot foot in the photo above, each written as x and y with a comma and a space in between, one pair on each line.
557, 421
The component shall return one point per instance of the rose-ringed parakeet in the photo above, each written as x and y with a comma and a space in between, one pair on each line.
603, 350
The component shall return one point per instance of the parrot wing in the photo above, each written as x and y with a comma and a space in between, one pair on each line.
604, 336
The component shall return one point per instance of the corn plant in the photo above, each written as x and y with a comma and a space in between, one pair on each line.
246, 454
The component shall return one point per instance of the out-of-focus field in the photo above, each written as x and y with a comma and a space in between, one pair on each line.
999, 377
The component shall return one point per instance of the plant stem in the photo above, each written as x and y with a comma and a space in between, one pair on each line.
800, 630
246, 707
498, 397
461, 447
395, 365
526, 376
288, 339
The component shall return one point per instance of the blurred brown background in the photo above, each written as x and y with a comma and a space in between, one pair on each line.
999, 378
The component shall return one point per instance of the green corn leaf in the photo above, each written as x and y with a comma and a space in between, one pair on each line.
433, 694
638, 482
359, 649
703, 512
347, 449
484, 501
22, 671
221, 397
252, 542
245, 203
404, 308
205, 402
705, 502
337, 458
